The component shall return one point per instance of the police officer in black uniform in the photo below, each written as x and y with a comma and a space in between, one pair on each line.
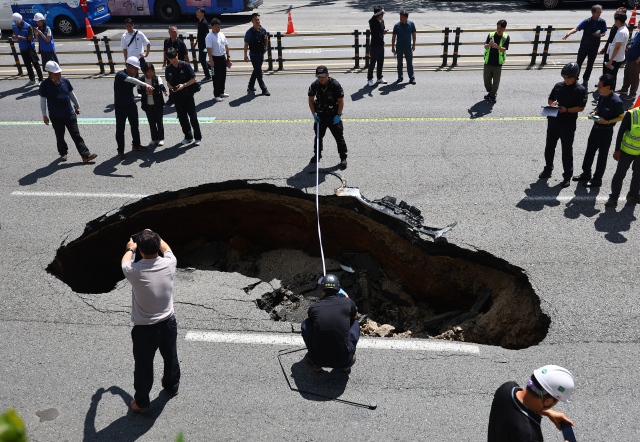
571, 98
326, 100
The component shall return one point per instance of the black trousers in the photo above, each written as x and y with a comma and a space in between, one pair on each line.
30, 59
154, 116
307, 337
186, 110
624, 163
337, 130
376, 56
615, 67
202, 58
124, 113
219, 75
256, 62
590, 55
71, 124
146, 340
599, 141
563, 131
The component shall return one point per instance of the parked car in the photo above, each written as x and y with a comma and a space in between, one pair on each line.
552, 4
66, 18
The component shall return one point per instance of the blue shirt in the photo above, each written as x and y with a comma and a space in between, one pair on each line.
609, 108
254, 38
57, 96
404, 35
589, 26
634, 51
123, 91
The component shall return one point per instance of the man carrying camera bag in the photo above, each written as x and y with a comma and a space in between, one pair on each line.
155, 326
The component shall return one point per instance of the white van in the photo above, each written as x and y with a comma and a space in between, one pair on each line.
5, 15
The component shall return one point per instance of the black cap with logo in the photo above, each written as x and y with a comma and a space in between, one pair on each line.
321, 71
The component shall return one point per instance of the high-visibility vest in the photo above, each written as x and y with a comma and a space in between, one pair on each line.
23, 32
631, 138
501, 55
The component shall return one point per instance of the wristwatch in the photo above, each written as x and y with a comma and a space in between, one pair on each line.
129, 249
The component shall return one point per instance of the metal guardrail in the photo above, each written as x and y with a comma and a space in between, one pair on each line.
276, 61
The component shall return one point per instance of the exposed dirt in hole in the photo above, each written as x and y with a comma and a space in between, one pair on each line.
401, 280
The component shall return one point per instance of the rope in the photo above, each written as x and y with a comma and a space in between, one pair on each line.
324, 269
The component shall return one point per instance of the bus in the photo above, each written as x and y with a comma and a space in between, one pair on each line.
66, 17
170, 11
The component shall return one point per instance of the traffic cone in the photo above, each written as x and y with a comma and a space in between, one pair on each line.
637, 104
632, 22
290, 26
90, 33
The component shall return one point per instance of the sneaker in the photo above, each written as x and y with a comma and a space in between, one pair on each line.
218, 99
266, 92
343, 164
412, 81
633, 197
493, 99
30, 83
371, 83
399, 80
347, 369
137, 409
187, 141
205, 79
198, 142
593, 183
382, 81
37, 83
122, 156
310, 363
251, 89
90, 157
225, 95
138, 148
64, 157
160, 142
566, 182
546, 173
582, 177
152, 143
613, 202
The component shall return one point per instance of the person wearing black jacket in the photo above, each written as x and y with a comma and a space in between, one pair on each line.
152, 104
180, 75
203, 30
594, 28
376, 50
256, 40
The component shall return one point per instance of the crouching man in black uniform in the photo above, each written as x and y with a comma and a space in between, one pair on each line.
331, 331
326, 100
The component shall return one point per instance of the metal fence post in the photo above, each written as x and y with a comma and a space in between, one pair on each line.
445, 52
536, 42
367, 45
107, 48
12, 42
195, 54
280, 60
356, 45
270, 53
547, 42
96, 43
456, 44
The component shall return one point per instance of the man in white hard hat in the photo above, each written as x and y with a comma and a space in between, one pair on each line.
24, 34
57, 93
125, 107
516, 413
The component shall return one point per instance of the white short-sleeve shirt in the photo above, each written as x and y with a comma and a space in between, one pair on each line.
217, 43
137, 47
622, 36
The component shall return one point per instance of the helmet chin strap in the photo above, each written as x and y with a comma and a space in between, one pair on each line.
541, 392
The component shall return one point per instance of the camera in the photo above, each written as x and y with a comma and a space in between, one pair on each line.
134, 237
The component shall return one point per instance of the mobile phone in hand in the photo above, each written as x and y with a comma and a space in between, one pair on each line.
567, 432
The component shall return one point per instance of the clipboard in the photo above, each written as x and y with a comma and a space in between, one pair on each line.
550, 111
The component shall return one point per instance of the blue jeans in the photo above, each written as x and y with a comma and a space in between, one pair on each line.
354, 336
408, 54
202, 58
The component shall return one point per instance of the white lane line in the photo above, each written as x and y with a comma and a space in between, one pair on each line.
565, 198
81, 195
291, 339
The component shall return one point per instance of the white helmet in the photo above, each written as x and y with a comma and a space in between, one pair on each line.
133, 61
17, 18
38, 16
52, 67
556, 381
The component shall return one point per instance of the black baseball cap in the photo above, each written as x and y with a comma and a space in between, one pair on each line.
321, 71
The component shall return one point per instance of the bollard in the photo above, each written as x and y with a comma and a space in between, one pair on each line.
445, 51
195, 53
96, 43
107, 48
12, 42
356, 45
280, 60
547, 42
367, 46
535, 42
270, 53
456, 45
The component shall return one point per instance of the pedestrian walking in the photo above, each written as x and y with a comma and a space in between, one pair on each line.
331, 332
256, 40
125, 106
376, 47
24, 34
219, 57
570, 98
626, 154
57, 94
326, 101
612, 35
174, 42
516, 413
631, 70
495, 52
203, 31
152, 104
134, 43
180, 76
405, 32
593, 29
618, 48
608, 112
45, 40
152, 314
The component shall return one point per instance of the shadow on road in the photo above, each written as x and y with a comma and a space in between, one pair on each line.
46, 171
24, 91
108, 168
167, 154
539, 195
306, 178
250, 96
614, 223
330, 384
480, 109
128, 428
392, 87
365, 90
584, 202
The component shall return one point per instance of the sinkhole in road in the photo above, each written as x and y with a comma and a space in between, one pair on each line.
395, 275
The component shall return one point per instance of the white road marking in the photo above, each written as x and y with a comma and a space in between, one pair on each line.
291, 339
81, 195
566, 198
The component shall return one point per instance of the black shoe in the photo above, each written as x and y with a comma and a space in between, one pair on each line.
266, 92
173, 392
399, 80
593, 183
635, 198
486, 97
582, 177
412, 81
492, 99
205, 79
546, 173
613, 202
565, 182
313, 159
122, 156
251, 89
343, 164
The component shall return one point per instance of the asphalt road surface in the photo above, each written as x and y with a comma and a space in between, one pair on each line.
437, 145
